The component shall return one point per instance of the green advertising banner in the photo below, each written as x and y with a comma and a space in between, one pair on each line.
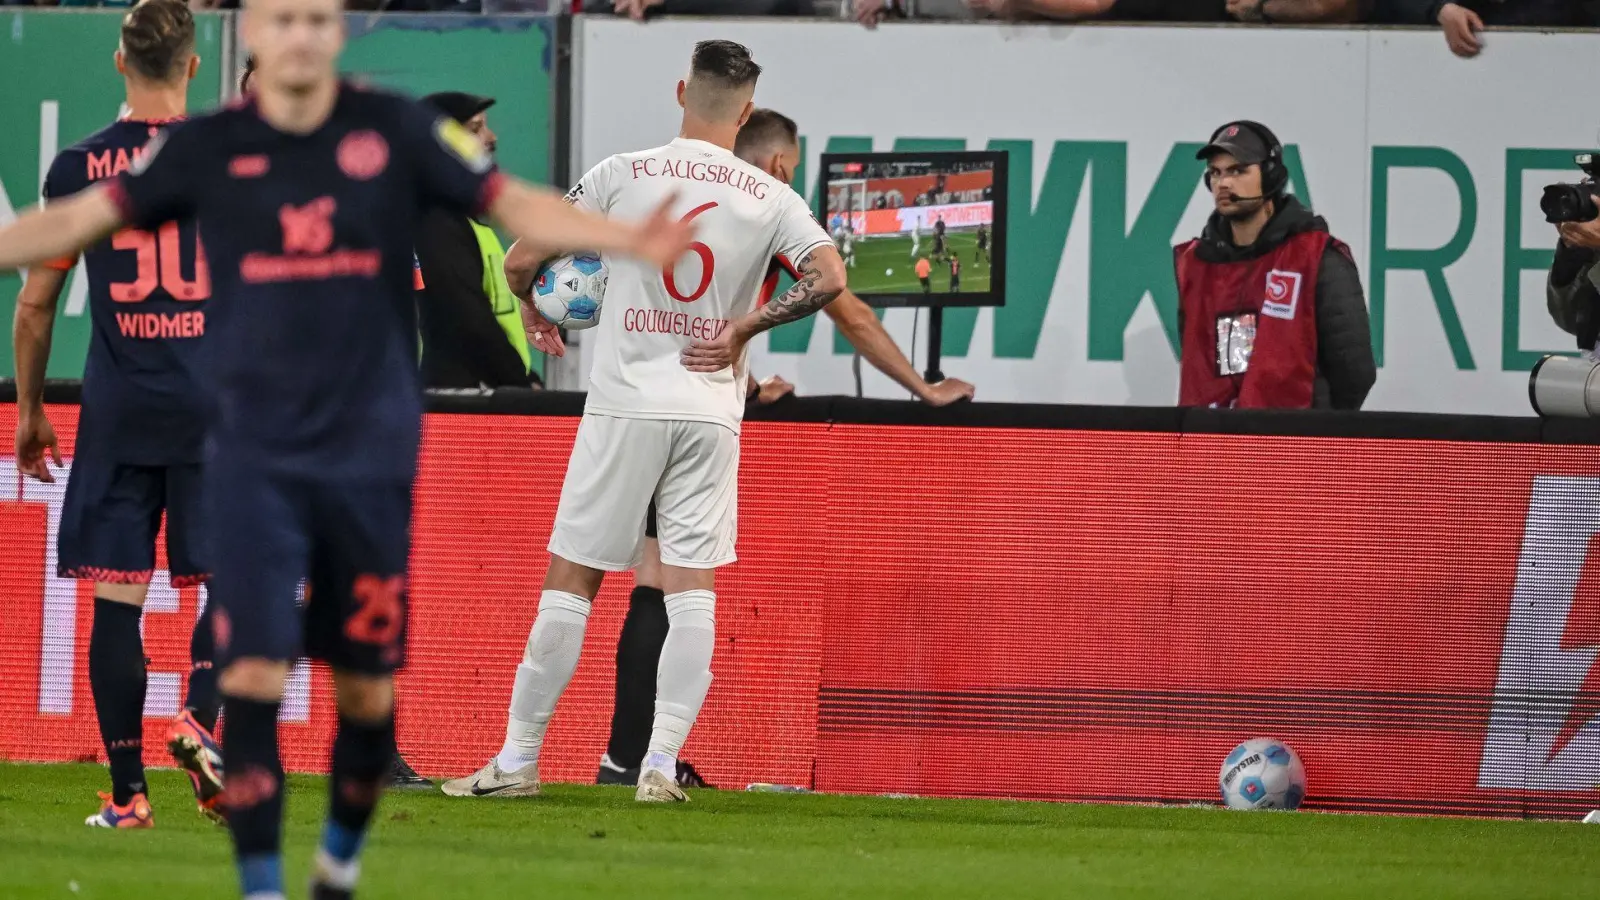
504, 57
48, 108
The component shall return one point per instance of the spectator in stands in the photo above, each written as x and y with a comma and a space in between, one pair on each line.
639, 10
1573, 288
1299, 11
472, 333
870, 12
1463, 20
1270, 308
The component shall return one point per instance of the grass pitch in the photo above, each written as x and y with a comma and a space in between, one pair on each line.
595, 842
884, 265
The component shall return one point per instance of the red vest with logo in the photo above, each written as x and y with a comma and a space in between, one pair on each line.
1250, 327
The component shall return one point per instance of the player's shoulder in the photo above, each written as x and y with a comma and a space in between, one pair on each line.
380, 106
363, 97
100, 155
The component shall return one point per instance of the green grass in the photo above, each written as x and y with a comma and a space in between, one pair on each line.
595, 842
884, 265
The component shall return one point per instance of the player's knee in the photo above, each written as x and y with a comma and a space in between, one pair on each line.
572, 578
254, 678
367, 699
131, 594
648, 574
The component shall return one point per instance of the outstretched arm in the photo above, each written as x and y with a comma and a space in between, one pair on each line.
542, 218
63, 228
865, 332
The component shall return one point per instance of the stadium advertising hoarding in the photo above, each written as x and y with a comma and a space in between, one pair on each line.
1429, 166
1371, 602
505, 57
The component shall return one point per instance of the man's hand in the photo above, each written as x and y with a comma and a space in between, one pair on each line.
35, 435
542, 334
1245, 10
773, 390
1581, 234
661, 239
714, 355
871, 12
1461, 27
947, 392
634, 9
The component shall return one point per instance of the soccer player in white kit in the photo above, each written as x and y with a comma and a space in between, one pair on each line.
916, 237
666, 396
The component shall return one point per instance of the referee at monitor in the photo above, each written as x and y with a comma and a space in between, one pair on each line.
472, 335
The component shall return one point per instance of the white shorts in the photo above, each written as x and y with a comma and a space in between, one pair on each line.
691, 470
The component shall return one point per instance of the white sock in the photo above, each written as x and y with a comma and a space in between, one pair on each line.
547, 665
684, 675
331, 872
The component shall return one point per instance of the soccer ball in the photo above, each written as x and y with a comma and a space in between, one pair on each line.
1262, 774
569, 291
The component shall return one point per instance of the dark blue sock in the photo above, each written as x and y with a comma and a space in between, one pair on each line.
202, 700
117, 681
261, 874
252, 796
362, 752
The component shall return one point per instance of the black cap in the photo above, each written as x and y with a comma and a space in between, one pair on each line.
1241, 142
457, 105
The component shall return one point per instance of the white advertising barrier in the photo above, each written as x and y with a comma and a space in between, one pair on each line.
1427, 165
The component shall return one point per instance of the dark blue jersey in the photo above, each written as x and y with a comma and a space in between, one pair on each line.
148, 292
312, 352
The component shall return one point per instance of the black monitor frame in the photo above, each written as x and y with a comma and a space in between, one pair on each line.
999, 233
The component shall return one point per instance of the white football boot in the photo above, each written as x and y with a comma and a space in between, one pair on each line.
492, 781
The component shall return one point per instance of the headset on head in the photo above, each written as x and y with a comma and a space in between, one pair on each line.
1274, 175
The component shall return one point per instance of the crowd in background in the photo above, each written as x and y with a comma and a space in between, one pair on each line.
1461, 21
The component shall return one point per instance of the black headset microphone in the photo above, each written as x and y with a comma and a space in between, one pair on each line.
1274, 175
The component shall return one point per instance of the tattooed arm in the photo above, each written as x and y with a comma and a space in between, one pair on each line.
822, 278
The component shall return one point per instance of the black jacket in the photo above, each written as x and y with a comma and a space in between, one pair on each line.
463, 345
1345, 366
1554, 13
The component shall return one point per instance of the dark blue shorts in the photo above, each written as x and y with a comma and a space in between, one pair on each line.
112, 514
304, 567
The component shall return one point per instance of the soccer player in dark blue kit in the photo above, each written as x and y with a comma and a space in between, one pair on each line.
140, 426
308, 194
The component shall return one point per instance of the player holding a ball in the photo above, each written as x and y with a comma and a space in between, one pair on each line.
666, 397
769, 141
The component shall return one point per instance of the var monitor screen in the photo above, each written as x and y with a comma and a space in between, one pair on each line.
919, 229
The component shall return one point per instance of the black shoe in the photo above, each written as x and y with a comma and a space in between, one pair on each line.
611, 773
689, 778
403, 778
321, 891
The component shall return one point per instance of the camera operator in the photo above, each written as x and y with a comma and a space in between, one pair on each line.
1573, 288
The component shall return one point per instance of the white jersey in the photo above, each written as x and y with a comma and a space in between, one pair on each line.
745, 218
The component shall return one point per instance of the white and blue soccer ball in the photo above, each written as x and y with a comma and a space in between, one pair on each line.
569, 291
1262, 774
